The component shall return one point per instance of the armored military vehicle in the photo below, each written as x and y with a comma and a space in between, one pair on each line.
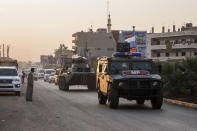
129, 76
79, 74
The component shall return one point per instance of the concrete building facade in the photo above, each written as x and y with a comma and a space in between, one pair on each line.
47, 59
94, 44
174, 45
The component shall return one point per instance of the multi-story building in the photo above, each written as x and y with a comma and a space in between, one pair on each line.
47, 59
174, 45
94, 44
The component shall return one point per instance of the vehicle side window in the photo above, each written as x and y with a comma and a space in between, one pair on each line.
100, 67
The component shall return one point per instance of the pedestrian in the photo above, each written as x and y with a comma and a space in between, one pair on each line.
30, 84
23, 77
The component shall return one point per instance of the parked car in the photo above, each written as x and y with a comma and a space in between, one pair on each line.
51, 78
40, 73
9, 80
47, 73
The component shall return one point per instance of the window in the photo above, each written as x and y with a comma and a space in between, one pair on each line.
177, 53
100, 67
158, 42
195, 41
195, 53
8, 72
167, 54
110, 49
183, 41
97, 48
183, 53
176, 42
158, 54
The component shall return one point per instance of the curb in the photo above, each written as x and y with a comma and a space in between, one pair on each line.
186, 104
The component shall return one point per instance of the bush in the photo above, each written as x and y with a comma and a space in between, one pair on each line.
93, 63
180, 78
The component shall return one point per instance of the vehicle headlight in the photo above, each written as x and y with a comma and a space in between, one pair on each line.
121, 84
155, 83
156, 77
16, 80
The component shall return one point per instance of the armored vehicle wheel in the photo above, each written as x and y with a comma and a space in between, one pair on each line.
157, 101
60, 84
113, 98
140, 101
101, 98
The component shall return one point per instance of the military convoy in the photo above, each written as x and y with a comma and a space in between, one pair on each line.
128, 76
125, 75
79, 74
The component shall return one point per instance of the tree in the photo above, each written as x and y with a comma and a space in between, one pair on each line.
58, 52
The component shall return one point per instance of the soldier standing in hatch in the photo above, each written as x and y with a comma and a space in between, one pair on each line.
30, 83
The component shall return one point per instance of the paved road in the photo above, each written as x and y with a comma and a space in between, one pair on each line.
78, 110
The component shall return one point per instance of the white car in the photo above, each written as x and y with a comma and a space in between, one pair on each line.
51, 78
40, 73
47, 73
9, 80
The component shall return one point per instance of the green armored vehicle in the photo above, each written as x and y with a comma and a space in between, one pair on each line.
79, 74
128, 76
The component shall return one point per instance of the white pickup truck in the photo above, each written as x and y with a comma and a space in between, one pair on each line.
9, 80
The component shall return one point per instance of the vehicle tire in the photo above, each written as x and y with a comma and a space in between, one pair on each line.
18, 93
60, 84
101, 98
157, 101
113, 98
92, 85
140, 101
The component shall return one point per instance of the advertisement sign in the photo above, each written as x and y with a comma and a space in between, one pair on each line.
137, 40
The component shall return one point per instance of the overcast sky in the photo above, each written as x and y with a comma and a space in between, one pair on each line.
35, 27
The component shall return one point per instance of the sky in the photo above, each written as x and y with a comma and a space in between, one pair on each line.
37, 27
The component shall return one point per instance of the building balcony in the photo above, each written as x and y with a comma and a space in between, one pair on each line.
74, 35
184, 46
169, 58
158, 47
74, 41
74, 47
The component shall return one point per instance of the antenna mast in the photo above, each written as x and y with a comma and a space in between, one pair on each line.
8, 51
109, 18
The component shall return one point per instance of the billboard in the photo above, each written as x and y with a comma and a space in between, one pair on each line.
137, 40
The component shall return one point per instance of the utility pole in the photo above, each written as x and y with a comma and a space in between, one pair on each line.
8, 51
0, 50
3, 51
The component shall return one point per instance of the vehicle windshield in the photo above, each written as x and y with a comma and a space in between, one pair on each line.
8, 72
49, 71
41, 71
118, 67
